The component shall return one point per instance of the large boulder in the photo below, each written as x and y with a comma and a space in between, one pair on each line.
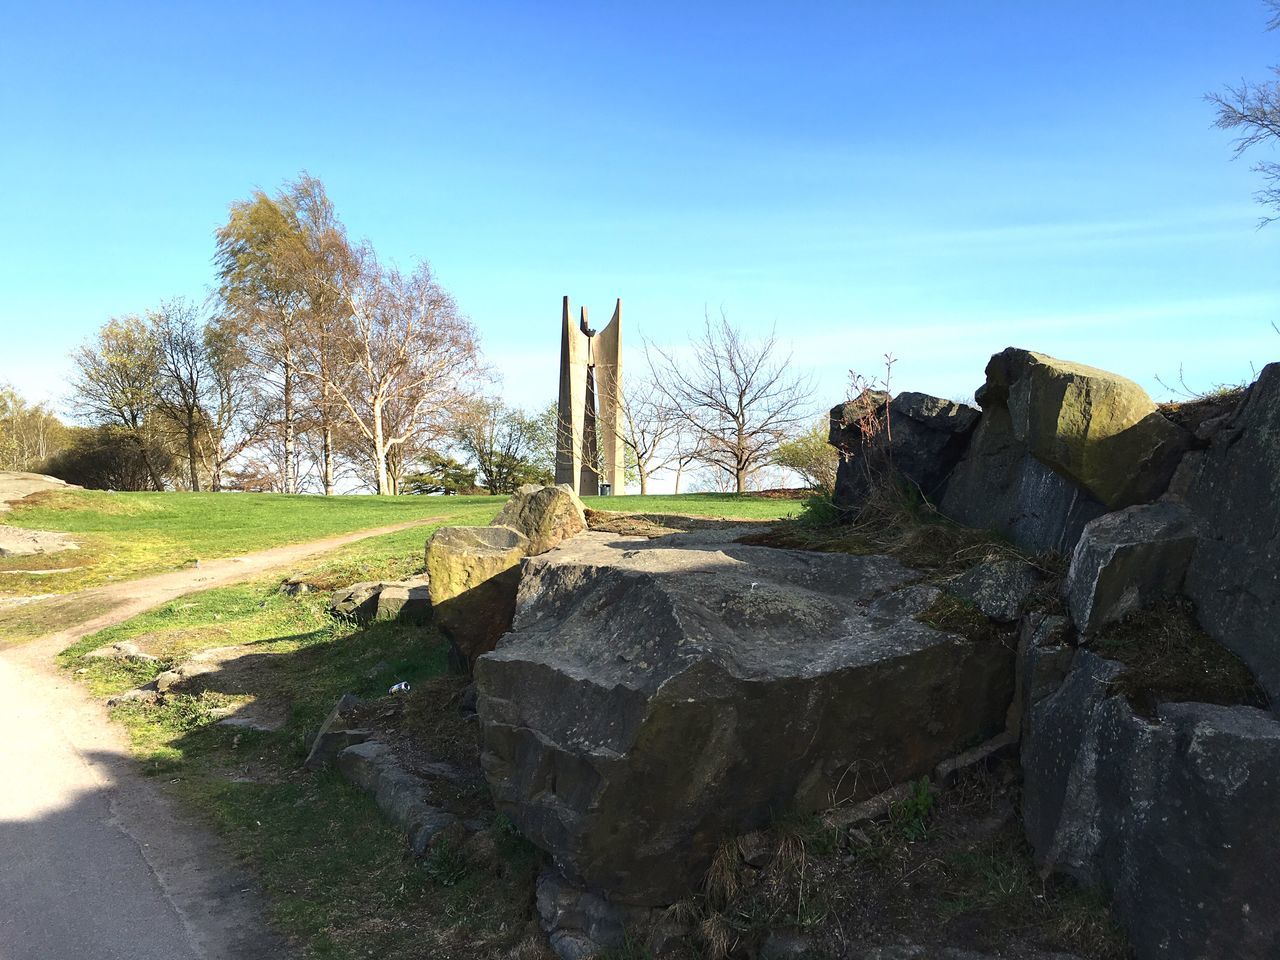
925, 438
407, 600
998, 485
546, 515
1170, 815
657, 697
474, 572
1100, 429
1126, 561
1233, 488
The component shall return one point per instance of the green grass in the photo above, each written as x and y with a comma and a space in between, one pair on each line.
336, 874
129, 535
730, 505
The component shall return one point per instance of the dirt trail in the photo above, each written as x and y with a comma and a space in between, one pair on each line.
99, 863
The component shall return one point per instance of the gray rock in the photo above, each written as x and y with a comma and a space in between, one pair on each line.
1171, 817
999, 589
1233, 488
295, 587
1097, 428
928, 437
407, 600
357, 601
336, 734
651, 701
785, 945
998, 485
574, 945
910, 601
147, 693
125, 650
1126, 561
1044, 660
403, 797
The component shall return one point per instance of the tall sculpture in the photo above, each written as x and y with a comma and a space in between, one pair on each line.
588, 448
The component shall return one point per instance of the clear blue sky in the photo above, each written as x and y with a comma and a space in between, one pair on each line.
937, 179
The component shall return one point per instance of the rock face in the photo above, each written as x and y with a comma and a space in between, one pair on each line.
474, 573
1171, 817
999, 485
1059, 444
1097, 428
654, 698
546, 515
1128, 560
929, 435
999, 588
1233, 488
15, 486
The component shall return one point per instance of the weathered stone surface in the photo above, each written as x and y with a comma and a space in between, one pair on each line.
999, 485
20, 542
15, 486
336, 734
1126, 561
1233, 488
999, 589
125, 650
652, 700
546, 515
910, 601
474, 573
1096, 427
1043, 662
357, 601
925, 440
407, 600
401, 796
1171, 817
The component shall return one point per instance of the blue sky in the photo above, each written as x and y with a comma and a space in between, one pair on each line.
939, 180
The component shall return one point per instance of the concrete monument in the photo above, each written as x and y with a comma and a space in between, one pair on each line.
588, 448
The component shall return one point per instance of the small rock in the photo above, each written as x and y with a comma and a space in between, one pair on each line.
125, 650
335, 734
999, 588
785, 945
148, 693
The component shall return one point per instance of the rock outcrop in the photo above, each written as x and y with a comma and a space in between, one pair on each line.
655, 697
474, 573
1170, 816
1126, 561
1059, 444
1233, 488
925, 439
546, 515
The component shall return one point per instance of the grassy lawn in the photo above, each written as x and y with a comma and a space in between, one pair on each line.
129, 535
731, 505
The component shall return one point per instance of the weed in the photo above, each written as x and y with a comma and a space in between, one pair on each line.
446, 864
911, 815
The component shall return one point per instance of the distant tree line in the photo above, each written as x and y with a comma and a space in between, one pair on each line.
315, 367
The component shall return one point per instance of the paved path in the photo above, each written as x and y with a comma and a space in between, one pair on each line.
95, 861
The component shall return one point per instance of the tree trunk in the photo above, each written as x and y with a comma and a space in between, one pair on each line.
740, 479
644, 480
290, 475
679, 470
326, 454
193, 458
379, 448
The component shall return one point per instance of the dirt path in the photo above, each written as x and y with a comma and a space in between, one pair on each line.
98, 864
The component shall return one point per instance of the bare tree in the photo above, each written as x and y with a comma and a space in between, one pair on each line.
182, 378
1253, 109
29, 433
235, 413
413, 359
741, 399
648, 426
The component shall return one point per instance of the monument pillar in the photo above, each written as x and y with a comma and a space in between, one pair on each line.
589, 450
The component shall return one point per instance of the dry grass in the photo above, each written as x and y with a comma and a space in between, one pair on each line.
1168, 658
